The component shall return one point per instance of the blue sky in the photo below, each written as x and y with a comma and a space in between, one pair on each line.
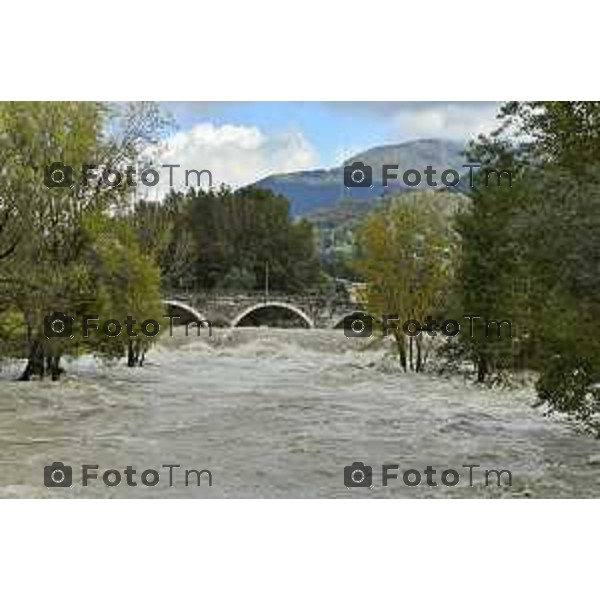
241, 142
333, 133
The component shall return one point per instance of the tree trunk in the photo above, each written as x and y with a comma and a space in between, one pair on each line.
53, 367
35, 362
419, 361
401, 345
482, 368
136, 354
131, 359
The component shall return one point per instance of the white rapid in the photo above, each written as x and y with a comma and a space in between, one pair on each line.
279, 413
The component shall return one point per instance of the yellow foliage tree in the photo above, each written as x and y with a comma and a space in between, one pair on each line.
406, 255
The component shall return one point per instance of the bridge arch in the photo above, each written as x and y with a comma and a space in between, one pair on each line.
283, 306
194, 315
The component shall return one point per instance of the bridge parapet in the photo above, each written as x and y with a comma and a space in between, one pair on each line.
221, 309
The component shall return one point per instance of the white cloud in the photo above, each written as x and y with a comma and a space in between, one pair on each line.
234, 154
412, 120
459, 121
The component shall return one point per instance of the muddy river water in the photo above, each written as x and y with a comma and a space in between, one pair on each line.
279, 413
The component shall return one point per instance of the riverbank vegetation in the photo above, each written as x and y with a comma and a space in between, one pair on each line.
528, 253
76, 249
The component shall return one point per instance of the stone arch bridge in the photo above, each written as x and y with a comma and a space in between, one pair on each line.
256, 310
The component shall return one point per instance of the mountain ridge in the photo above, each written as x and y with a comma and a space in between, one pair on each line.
314, 189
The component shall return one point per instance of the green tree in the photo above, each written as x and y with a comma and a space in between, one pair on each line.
54, 253
127, 285
222, 238
529, 251
492, 275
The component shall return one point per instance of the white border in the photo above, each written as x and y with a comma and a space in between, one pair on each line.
312, 50
298, 549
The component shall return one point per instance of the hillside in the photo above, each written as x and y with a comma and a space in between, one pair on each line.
337, 223
312, 190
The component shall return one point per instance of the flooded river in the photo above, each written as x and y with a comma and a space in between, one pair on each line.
279, 413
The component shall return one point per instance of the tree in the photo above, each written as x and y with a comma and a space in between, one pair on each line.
492, 273
531, 250
54, 253
222, 238
406, 255
564, 134
127, 284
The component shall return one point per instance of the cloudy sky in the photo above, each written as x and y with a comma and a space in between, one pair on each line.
241, 142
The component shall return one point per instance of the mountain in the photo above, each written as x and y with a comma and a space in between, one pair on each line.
308, 191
